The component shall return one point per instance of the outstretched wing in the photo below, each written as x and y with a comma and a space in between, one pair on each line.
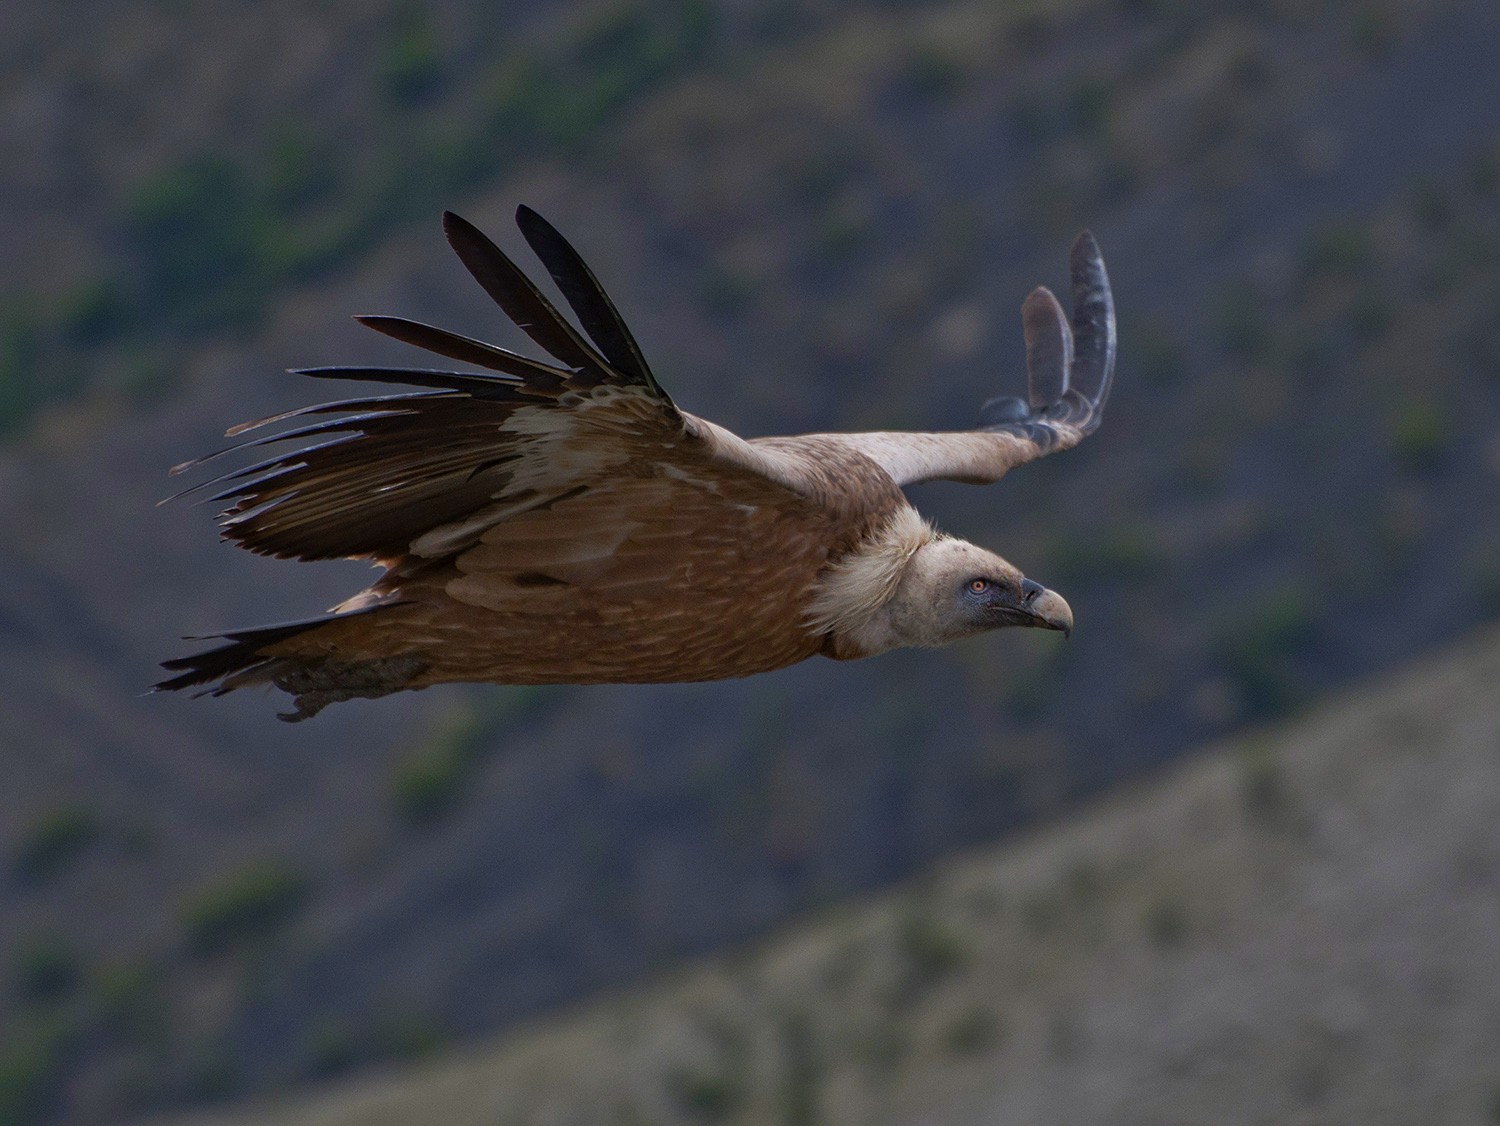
1070, 370
426, 472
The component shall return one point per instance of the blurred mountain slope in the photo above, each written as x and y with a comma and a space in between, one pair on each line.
821, 217
1299, 926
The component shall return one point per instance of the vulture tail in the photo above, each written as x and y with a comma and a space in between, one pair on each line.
316, 674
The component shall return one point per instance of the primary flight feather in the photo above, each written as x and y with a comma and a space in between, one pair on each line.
563, 521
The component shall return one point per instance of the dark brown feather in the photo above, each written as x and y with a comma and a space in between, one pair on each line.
462, 348
587, 298
367, 403
243, 653
523, 303
502, 388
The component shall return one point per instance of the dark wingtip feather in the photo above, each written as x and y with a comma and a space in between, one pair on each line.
1070, 363
500, 387
462, 234
515, 293
588, 299
1093, 323
452, 219
1084, 246
1049, 348
462, 348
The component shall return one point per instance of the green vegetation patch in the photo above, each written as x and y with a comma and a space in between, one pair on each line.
1256, 648
933, 73
44, 967
53, 842
975, 1030
1263, 786
410, 69
130, 1001
431, 780
564, 101
245, 905
198, 225
35, 370
1344, 250
1419, 436
1241, 322
1121, 551
33, 1055
708, 1092
931, 947
96, 311
1158, 357
799, 1095
406, 1035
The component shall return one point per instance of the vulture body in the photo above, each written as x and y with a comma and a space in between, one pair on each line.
564, 521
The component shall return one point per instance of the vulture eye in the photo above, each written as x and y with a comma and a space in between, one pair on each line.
978, 586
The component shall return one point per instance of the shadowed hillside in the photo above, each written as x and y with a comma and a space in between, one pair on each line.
815, 216
1298, 928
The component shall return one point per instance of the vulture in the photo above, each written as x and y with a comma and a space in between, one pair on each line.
563, 521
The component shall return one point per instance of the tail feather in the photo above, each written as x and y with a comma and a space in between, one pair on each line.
237, 661
315, 679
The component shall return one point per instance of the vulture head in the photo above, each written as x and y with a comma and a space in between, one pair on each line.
914, 587
952, 589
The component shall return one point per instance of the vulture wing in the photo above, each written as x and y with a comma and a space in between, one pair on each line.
426, 473
1070, 368
610, 535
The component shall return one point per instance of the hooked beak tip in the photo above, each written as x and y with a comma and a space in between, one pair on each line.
1053, 612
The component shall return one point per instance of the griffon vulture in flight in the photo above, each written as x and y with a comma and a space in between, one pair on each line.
563, 521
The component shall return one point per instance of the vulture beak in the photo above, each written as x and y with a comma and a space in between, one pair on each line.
1045, 608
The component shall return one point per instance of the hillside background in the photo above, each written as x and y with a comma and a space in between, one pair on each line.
1280, 930
816, 216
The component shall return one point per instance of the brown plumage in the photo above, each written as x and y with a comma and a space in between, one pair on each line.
565, 522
